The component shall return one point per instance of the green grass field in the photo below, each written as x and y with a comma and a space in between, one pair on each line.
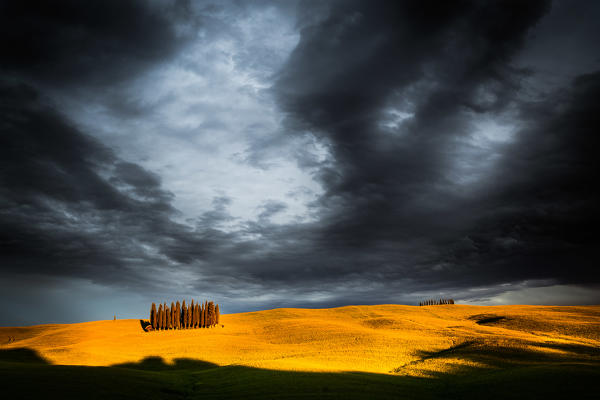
25, 375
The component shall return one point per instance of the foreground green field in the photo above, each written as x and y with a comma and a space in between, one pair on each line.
370, 352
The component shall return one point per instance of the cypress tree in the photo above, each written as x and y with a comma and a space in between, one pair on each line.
214, 319
193, 314
172, 316
192, 308
166, 316
181, 324
202, 316
169, 321
173, 313
180, 312
159, 316
198, 317
177, 312
206, 321
217, 315
184, 318
211, 313
193, 317
181, 315
153, 316
202, 320
187, 318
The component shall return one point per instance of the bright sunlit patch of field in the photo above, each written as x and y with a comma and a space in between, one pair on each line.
401, 340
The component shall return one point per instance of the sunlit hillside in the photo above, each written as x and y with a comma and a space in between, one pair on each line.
390, 339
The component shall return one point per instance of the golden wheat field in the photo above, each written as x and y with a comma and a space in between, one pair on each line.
394, 339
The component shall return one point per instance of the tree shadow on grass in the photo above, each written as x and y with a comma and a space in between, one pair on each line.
144, 323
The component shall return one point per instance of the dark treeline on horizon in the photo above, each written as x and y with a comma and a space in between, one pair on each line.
182, 316
436, 302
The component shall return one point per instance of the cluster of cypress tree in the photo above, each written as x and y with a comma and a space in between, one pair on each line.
436, 302
184, 317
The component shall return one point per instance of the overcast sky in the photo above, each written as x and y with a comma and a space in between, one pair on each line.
296, 154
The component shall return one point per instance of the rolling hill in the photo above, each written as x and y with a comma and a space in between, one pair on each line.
384, 351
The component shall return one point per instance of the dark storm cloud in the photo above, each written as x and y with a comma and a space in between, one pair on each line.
392, 209
417, 197
74, 42
536, 216
69, 205
547, 208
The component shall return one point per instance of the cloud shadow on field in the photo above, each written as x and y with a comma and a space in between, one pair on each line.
25, 374
157, 363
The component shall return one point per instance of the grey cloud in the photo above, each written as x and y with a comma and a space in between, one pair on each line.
270, 208
92, 43
59, 214
414, 202
450, 66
